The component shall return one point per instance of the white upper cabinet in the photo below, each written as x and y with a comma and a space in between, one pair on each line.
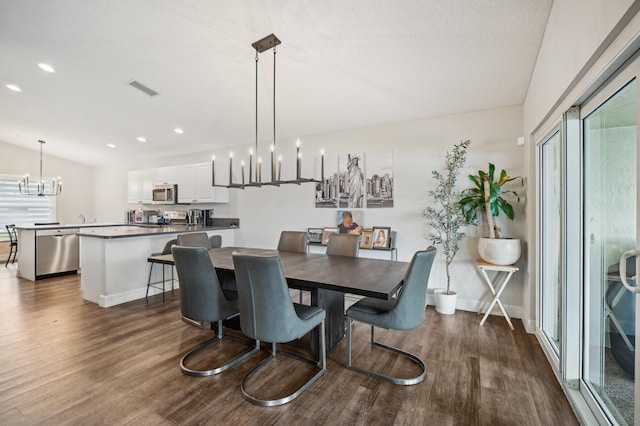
194, 185
140, 186
166, 175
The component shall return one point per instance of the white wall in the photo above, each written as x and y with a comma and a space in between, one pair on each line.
418, 148
572, 60
78, 180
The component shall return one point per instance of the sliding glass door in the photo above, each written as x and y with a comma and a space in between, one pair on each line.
610, 227
550, 295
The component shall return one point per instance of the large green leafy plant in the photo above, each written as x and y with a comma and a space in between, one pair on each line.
444, 215
487, 196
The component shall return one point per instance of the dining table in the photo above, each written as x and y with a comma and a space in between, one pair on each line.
327, 278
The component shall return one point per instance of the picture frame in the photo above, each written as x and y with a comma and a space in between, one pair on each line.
314, 235
366, 239
381, 237
327, 233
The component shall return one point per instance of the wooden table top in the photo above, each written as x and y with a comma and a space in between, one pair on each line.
355, 275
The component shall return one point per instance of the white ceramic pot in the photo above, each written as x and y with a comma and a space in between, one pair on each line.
499, 251
445, 303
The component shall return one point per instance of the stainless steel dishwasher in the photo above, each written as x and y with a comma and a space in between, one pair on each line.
57, 251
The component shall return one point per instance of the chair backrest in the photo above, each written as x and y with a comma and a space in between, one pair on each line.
295, 241
408, 312
194, 239
215, 241
266, 310
168, 245
343, 245
13, 234
201, 297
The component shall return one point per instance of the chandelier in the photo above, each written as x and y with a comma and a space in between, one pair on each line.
25, 186
254, 178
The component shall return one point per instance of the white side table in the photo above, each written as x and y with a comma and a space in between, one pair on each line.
495, 287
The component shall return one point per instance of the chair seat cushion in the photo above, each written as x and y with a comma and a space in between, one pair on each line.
307, 313
370, 310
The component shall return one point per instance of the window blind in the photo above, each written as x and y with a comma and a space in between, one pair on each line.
19, 209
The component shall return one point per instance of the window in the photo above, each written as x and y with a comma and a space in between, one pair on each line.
19, 209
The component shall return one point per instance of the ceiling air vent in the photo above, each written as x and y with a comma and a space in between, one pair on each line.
141, 87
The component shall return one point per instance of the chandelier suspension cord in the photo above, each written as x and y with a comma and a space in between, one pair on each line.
257, 168
273, 167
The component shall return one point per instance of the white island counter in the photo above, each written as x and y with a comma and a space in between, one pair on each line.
114, 261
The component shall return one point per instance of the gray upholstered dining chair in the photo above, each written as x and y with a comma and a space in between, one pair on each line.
402, 313
166, 250
267, 313
194, 239
295, 241
343, 245
215, 241
203, 299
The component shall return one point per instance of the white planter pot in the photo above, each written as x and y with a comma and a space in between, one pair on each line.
445, 303
499, 251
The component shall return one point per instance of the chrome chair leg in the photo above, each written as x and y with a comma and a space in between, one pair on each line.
395, 380
273, 402
201, 346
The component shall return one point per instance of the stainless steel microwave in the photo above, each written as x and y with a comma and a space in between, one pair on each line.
165, 194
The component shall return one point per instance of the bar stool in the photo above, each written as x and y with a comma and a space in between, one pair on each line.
402, 313
194, 239
13, 243
267, 313
166, 250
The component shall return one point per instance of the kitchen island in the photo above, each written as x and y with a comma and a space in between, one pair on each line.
114, 261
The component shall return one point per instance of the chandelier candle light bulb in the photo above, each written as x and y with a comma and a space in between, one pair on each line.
322, 164
259, 173
279, 167
230, 167
242, 170
298, 159
250, 165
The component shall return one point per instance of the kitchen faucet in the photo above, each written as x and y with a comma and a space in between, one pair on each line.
82, 218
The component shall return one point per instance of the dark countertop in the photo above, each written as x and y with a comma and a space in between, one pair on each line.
146, 230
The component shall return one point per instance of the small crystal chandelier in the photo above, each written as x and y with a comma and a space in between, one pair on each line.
268, 42
25, 186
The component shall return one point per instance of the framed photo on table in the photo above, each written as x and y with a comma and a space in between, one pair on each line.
381, 237
327, 233
314, 235
366, 239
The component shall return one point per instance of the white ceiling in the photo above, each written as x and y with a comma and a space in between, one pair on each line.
342, 64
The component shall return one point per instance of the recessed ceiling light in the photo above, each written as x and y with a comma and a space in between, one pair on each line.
178, 130
110, 145
13, 87
46, 67
141, 139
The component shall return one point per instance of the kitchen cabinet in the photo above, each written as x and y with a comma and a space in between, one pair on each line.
194, 185
140, 186
166, 175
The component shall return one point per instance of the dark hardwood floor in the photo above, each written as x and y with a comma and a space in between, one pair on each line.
64, 360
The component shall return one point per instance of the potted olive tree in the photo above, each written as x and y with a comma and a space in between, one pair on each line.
446, 219
488, 197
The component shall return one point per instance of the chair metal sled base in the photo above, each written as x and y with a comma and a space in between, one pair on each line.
395, 380
201, 346
298, 392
